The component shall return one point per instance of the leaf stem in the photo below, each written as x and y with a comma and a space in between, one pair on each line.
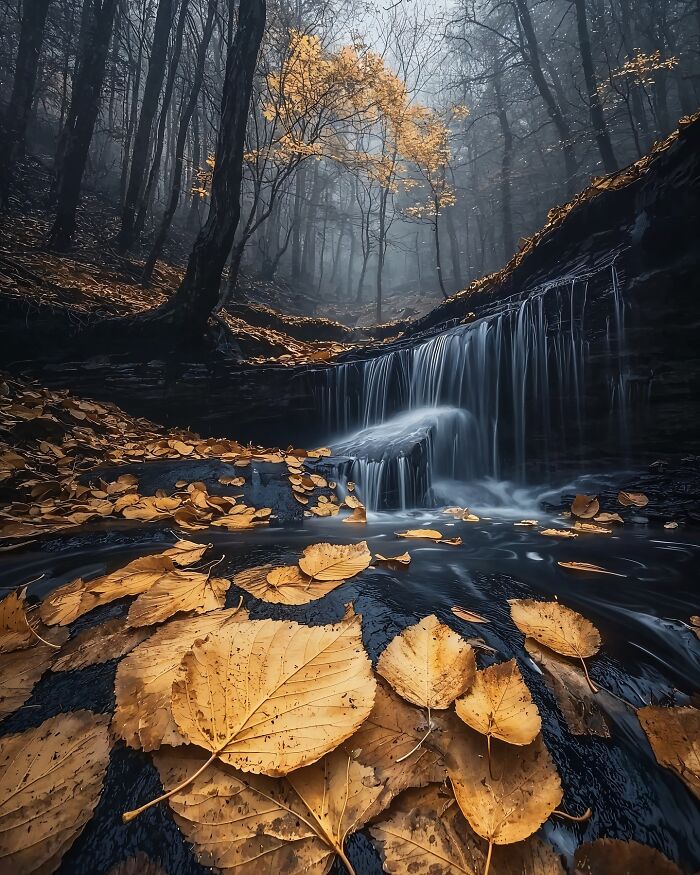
488, 858
130, 815
348, 865
593, 687
420, 743
582, 818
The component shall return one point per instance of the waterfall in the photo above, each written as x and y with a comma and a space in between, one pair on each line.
491, 398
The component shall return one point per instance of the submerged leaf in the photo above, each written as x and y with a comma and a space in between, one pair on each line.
674, 736
616, 857
20, 671
50, 781
110, 640
428, 664
588, 567
335, 561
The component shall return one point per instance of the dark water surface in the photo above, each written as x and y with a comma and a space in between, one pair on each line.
648, 655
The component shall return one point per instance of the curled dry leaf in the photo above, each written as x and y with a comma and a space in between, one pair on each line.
591, 528
335, 561
616, 857
247, 823
403, 560
427, 534
428, 664
589, 568
111, 640
568, 684
452, 542
284, 585
558, 533
556, 626
508, 799
674, 736
143, 715
50, 781
359, 515
632, 499
585, 507
468, 616
499, 705
609, 518
186, 552
352, 501
393, 729
20, 671
176, 593
269, 697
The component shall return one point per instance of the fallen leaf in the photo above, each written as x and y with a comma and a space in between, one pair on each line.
50, 781
335, 561
452, 542
141, 864
285, 585
588, 567
528, 523
507, 798
359, 515
15, 633
20, 671
671, 525
428, 664
568, 684
403, 560
585, 507
143, 715
616, 857
468, 616
558, 533
499, 705
632, 499
428, 534
176, 593
249, 693
186, 552
247, 823
556, 626
111, 640
674, 736
609, 518
591, 528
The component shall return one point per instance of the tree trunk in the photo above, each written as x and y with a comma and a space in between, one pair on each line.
436, 237
149, 106
82, 114
31, 38
299, 191
187, 312
454, 249
600, 129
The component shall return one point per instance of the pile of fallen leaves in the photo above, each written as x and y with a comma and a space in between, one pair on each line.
51, 441
276, 740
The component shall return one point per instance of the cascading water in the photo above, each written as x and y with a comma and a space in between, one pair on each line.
488, 399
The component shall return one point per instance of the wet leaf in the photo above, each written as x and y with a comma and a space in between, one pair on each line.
674, 736
499, 705
671, 525
110, 640
589, 568
141, 864
591, 528
176, 593
269, 696
452, 542
247, 823
50, 781
509, 801
15, 633
394, 729
568, 684
428, 534
20, 671
428, 664
468, 616
527, 523
616, 857
335, 561
186, 552
585, 507
143, 716
609, 518
632, 499
402, 560
285, 585
556, 626
359, 515
558, 533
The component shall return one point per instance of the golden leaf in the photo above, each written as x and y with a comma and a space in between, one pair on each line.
556, 626
20, 671
558, 533
178, 592
428, 664
403, 560
269, 696
609, 518
335, 561
499, 705
509, 797
632, 499
591, 528
616, 857
674, 736
467, 616
285, 584
247, 823
111, 640
527, 523
186, 552
50, 781
585, 507
588, 567
143, 716
359, 515
394, 729
15, 633
571, 690
428, 534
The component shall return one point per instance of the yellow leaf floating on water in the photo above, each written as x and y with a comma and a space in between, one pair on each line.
468, 616
285, 584
428, 664
591, 528
589, 568
178, 593
111, 640
585, 507
428, 534
632, 499
402, 560
499, 705
359, 515
558, 533
674, 736
528, 523
609, 518
613, 857
185, 553
50, 781
245, 824
335, 561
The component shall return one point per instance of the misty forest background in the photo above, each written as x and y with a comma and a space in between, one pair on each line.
392, 153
